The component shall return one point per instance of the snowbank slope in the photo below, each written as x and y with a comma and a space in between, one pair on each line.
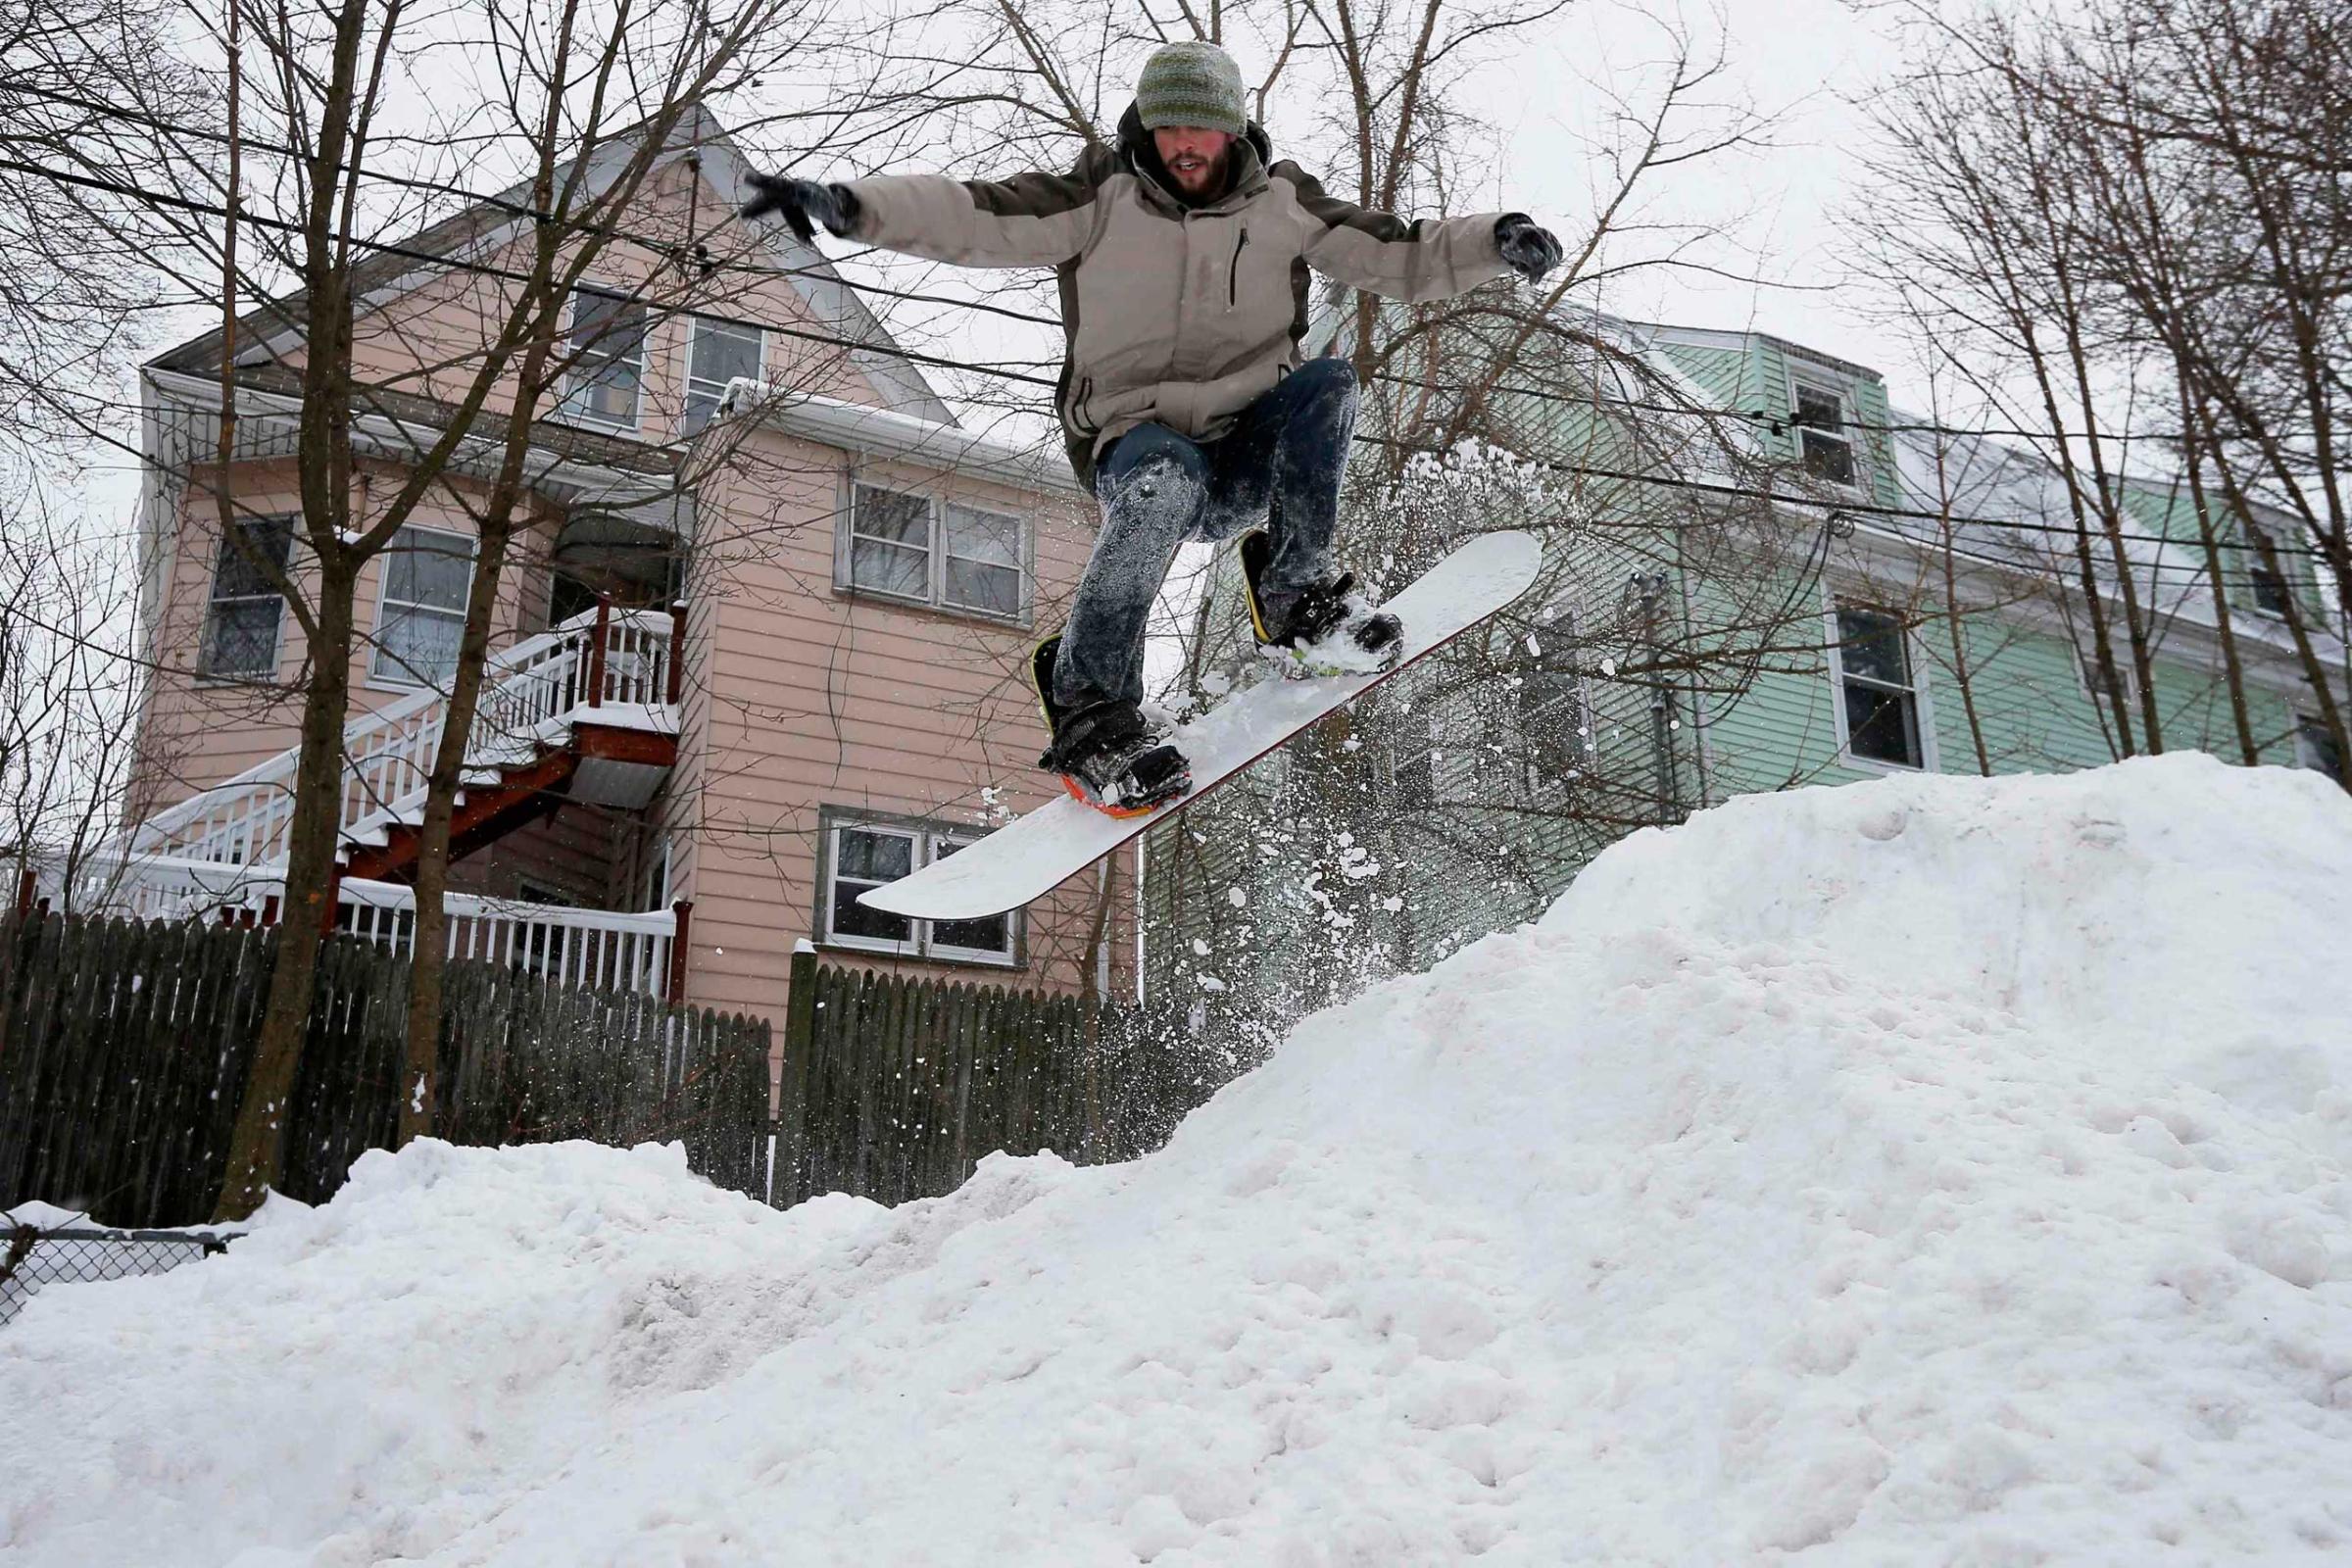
1929, 1171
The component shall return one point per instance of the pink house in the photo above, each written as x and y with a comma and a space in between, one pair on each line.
664, 799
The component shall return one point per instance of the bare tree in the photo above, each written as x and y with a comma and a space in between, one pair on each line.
346, 166
2126, 226
68, 683
76, 288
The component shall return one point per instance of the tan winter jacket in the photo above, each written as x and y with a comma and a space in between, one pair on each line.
1170, 313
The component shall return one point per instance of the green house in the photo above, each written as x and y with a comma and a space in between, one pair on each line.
1760, 575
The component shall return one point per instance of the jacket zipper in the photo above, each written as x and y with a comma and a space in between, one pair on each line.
1233, 272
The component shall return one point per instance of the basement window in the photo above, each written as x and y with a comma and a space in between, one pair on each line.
1878, 699
863, 855
242, 618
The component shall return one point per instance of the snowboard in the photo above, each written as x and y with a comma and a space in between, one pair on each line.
1026, 859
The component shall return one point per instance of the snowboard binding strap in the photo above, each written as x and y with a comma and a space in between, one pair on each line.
1106, 756
1373, 638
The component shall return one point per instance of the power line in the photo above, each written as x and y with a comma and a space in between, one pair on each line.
521, 210
1860, 508
614, 231
455, 264
1782, 423
914, 357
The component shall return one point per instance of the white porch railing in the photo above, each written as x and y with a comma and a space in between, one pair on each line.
597, 948
601, 949
595, 659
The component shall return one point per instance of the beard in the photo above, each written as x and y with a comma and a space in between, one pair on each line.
1204, 176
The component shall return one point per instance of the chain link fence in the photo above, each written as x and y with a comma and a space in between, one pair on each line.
32, 1257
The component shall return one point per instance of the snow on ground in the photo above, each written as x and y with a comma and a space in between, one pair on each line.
1927, 1171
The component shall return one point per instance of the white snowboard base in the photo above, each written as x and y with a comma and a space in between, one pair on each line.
1026, 859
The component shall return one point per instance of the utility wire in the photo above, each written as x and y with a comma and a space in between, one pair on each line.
501, 203
914, 357
1778, 422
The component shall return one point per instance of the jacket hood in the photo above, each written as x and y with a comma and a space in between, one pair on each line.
1136, 152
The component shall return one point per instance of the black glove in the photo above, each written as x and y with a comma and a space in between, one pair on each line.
799, 201
1527, 250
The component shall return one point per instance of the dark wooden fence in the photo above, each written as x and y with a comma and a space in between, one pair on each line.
894, 1088
124, 1047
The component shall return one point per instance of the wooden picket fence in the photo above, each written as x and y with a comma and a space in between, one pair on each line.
895, 1087
124, 1049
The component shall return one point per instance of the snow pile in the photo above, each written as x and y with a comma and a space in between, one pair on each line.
1927, 1171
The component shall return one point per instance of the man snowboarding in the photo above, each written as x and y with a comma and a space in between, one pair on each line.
1182, 256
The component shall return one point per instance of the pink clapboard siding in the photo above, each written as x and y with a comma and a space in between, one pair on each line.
796, 696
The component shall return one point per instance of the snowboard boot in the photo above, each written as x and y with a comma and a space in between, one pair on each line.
1324, 629
1106, 755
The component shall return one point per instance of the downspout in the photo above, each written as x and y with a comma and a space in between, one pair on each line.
1645, 588
1698, 708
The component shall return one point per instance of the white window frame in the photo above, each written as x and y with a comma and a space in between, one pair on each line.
2086, 673
921, 942
390, 673
571, 407
2256, 574
696, 326
212, 597
1578, 688
1922, 706
934, 595
1800, 381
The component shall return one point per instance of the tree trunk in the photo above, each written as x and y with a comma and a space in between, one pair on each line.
255, 1145
419, 1081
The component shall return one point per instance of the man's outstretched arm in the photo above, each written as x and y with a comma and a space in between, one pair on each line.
1033, 219
1427, 258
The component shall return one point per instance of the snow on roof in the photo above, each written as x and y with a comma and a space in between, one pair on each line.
1931, 1169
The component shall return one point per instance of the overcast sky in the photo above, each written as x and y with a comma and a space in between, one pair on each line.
1809, 65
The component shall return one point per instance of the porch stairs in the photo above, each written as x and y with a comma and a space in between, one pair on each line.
586, 710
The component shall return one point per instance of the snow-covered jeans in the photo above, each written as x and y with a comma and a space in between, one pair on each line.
1279, 464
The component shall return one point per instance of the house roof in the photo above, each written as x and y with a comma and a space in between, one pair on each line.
267, 331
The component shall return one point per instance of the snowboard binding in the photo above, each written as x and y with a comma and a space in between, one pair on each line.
1107, 756
1325, 629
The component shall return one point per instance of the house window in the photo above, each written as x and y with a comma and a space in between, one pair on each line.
720, 352
2270, 588
427, 574
1413, 762
981, 561
1555, 728
656, 877
1878, 702
870, 854
607, 359
2316, 749
241, 620
1827, 449
958, 556
2087, 670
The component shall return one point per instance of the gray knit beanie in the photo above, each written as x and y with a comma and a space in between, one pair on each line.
1192, 84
